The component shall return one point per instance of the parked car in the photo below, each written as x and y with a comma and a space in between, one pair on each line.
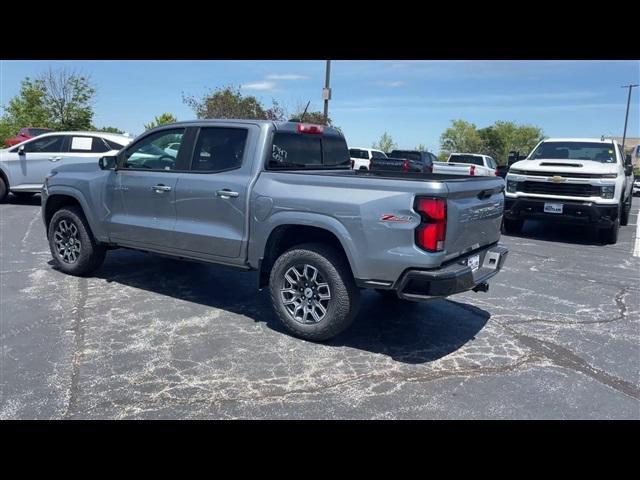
405, 161
25, 134
467, 164
361, 157
572, 180
280, 199
24, 166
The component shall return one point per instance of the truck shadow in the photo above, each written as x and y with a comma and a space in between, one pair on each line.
405, 331
558, 232
33, 200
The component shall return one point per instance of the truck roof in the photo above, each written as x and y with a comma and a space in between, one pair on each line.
576, 139
278, 125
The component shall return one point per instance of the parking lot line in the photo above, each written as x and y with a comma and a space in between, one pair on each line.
636, 248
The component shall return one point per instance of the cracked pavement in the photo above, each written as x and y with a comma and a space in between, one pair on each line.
557, 336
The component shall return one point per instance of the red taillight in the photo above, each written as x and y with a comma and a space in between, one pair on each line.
496, 172
472, 170
430, 234
405, 166
308, 128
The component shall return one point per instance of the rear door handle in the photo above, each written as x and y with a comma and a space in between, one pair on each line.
55, 159
226, 193
161, 188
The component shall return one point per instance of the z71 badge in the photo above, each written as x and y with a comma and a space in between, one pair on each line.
390, 217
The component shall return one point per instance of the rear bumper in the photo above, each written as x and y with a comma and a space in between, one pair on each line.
573, 211
454, 277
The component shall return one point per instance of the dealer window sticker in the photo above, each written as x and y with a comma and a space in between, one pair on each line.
81, 143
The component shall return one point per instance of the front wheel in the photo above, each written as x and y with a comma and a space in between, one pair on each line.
313, 292
610, 235
512, 226
73, 247
4, 190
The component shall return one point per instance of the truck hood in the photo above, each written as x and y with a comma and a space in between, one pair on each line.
565, 166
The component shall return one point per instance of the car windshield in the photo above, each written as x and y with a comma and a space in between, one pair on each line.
357, 153
594, 151
34, 132
466, 159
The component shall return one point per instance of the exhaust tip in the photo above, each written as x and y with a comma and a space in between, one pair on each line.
481, 287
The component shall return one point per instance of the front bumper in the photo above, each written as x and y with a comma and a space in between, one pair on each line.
453, 277
572, 211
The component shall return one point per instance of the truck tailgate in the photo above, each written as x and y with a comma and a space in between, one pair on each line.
474, 214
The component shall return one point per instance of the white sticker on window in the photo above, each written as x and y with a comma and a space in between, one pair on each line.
279, 154
81, 143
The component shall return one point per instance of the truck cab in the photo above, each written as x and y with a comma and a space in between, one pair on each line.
361, 157
572, 180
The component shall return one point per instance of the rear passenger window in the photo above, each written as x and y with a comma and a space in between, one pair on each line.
294, 150
87, 145
219, 149
113, 145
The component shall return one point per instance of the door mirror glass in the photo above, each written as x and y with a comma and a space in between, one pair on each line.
108, 162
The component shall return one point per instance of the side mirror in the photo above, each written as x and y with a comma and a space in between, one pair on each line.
628, 170
108, 162
627, 159
21, 150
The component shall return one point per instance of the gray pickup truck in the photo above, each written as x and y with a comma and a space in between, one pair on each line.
280, 199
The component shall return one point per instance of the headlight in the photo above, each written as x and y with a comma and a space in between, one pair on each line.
512, 186
607, 191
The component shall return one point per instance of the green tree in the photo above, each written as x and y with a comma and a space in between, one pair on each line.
229, 102
27, 109
162, 119
68, 97
461, 136
111, 130
385, 143
503, 137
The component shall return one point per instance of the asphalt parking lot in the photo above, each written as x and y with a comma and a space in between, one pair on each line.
557, 336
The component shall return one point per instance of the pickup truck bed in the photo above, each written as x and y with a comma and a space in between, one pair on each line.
312, 228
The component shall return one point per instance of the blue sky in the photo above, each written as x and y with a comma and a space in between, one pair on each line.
414, 101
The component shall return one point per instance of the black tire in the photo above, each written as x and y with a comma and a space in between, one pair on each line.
333, 270
610, 235
88, 256
626, 210
4, 190
512, 226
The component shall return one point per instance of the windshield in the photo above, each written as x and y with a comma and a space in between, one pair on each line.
357, 153
34, 132
594, 151
466, 159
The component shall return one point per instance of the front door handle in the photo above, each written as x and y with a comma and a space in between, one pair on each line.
225, 193
55, 159
161, 188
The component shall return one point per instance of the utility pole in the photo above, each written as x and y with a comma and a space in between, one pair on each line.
626, 118
326, 91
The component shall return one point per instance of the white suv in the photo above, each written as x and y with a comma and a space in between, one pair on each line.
361, 157
573, 180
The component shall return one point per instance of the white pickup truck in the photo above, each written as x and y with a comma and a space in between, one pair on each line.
361, 157
467, 164
573, 180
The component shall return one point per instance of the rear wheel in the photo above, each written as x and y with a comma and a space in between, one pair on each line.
4, 190
73, 247
512, 226
313, 291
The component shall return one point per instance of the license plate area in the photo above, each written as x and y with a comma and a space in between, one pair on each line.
473, 262
552, 207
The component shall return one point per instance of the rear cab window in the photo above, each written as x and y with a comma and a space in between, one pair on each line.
295, 151
471, 159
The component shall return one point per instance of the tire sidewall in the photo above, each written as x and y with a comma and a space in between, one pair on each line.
89, 254
341, 306
4, 190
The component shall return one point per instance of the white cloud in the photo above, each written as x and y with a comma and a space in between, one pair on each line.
259, 85
286, 76
394, 84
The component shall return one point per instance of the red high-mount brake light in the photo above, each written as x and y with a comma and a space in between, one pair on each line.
308, 128
405, 166
430, 234
472, 170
